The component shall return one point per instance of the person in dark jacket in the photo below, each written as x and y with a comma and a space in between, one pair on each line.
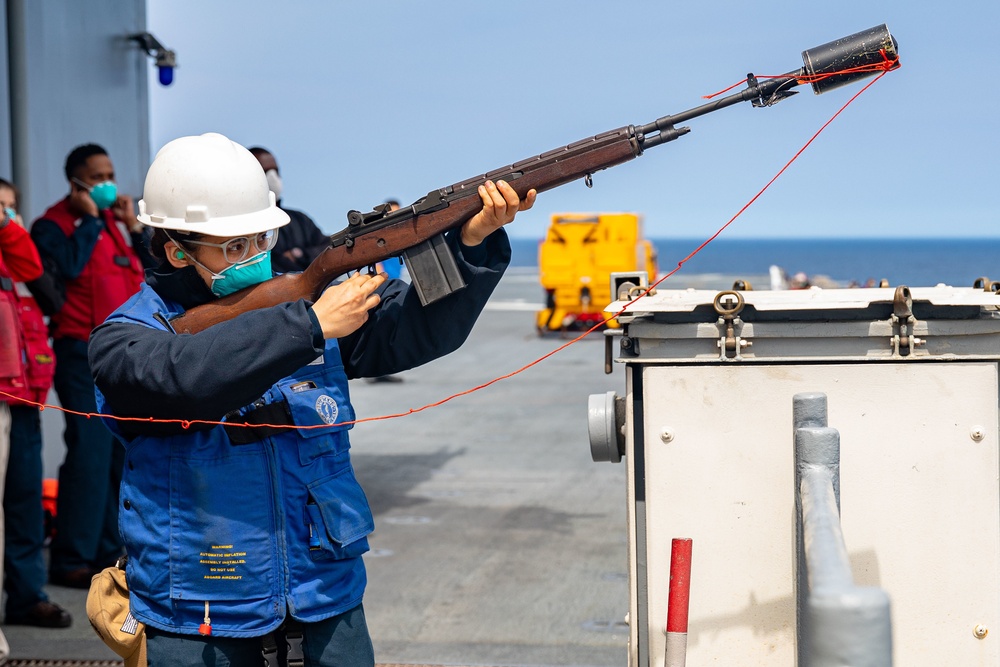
89, 237
300, 241
254, 524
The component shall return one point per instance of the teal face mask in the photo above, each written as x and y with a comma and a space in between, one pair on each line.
104, 194
10, 213
247, 273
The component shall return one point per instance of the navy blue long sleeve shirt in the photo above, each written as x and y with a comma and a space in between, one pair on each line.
70, 253
152, 373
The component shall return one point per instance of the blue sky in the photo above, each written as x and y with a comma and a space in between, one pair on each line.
364, 101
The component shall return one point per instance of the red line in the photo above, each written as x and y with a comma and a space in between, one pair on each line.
186, 423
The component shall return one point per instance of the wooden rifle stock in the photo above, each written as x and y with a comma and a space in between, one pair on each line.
373, 237
387, 234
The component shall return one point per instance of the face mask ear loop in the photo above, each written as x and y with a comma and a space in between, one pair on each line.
215, 276
86, 187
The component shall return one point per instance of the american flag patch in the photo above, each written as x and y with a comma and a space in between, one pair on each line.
130, 626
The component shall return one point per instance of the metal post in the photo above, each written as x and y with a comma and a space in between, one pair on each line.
840, 624
808, 409
19, 143
639, 490
678, 602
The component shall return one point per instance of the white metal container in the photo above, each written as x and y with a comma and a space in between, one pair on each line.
912, 384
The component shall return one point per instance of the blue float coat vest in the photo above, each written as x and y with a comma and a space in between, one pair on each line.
251, 529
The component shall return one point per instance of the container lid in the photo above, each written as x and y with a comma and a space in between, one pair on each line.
691, 305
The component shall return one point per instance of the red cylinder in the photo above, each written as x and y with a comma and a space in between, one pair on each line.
680, 585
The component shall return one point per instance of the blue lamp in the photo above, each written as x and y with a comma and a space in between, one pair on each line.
166, 59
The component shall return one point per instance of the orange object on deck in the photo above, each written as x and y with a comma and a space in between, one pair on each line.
50, 492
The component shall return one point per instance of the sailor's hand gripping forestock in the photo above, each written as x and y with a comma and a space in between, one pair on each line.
500, 205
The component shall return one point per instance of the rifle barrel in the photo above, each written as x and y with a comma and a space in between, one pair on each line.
375, 236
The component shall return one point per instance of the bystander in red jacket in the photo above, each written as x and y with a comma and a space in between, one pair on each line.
27, 366
19, 262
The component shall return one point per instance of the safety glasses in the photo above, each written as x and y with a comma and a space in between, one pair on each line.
237, 249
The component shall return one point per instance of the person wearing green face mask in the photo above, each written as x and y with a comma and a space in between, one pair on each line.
90, 242
275, 509
104, 195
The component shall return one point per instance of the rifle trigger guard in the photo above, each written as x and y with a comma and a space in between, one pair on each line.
588, 180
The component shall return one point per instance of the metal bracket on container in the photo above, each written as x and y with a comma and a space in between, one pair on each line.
728, 305
609, 335
986, 284
629, 346
903, 323
629, 285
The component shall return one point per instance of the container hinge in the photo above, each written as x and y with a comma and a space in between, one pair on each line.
904, 324
728, 305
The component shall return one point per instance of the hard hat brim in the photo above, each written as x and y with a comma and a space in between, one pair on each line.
237, 225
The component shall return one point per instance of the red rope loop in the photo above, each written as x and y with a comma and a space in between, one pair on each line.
887, 65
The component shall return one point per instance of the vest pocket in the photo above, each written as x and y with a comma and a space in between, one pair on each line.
220, 532
338, 517
322, 408
317, 398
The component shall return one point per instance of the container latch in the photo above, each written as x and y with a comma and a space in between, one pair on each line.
729, 305
903, 323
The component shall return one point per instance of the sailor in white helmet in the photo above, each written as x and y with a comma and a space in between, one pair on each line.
232, 533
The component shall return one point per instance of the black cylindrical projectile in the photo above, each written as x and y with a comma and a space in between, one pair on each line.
857, 50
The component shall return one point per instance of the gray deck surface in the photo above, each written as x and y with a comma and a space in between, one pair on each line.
498, 541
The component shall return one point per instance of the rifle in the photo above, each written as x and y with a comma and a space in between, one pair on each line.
416, 231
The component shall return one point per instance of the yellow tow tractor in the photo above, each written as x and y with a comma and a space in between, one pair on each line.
575, 263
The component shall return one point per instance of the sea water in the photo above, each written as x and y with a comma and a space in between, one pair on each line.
911, 262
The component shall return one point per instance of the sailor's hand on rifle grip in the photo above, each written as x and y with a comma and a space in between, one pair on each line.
500, 205
343, 308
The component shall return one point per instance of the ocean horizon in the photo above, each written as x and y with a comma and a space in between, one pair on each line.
912, 262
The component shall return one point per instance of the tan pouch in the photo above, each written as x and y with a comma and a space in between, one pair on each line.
108, 611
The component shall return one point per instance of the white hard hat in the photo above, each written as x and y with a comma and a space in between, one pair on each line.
210, 185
